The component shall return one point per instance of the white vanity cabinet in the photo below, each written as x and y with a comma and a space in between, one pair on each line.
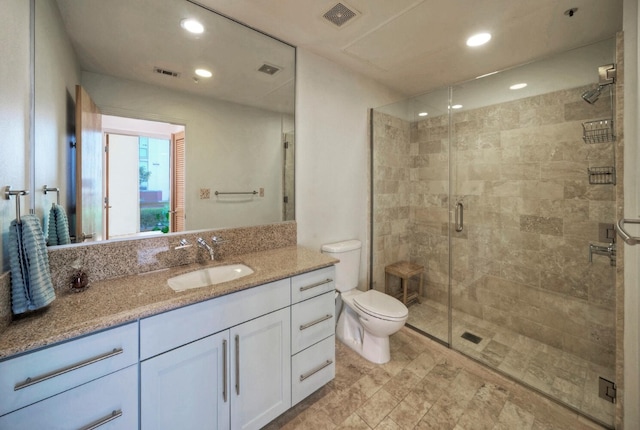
223, 363
312, 332
75, 384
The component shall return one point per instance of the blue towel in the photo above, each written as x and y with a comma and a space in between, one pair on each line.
31, 286
58, 228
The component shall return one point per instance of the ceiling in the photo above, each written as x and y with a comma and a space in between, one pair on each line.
414, 46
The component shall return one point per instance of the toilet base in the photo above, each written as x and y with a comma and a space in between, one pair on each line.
349, 331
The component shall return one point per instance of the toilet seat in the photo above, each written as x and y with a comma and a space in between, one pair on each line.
380, 306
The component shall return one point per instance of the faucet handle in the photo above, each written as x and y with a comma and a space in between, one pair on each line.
218, 240
184, 243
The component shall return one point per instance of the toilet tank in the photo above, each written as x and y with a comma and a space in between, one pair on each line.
348, 269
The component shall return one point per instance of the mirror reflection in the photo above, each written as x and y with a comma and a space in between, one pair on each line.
146, 128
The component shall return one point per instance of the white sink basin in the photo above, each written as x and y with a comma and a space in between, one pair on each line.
208, 276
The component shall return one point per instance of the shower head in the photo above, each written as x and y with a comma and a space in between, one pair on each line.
591, 96
607, 75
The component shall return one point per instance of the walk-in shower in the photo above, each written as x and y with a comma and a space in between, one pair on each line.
515, 282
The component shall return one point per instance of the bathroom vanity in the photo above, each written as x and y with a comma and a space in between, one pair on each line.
233, 355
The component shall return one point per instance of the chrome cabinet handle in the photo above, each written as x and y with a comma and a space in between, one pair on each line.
316, 370
32, 381
317, 284
459, 216
237, 365
628, 239
318, 321
224, 370
102, 421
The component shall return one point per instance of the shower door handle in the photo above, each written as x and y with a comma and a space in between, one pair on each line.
459, 215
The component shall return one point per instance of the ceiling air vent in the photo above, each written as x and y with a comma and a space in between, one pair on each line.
166, 72
269, 69
339, 14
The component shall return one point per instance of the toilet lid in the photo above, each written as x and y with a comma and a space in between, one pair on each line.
378, 304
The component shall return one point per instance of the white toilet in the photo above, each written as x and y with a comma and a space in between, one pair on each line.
367, 318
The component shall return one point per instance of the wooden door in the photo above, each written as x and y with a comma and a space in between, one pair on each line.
178, 183
89, 150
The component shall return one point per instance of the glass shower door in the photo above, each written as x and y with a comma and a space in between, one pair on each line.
410, 167
527, 298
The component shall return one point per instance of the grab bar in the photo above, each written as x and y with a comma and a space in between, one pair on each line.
219, 193
46, 189
628, 239
7, 195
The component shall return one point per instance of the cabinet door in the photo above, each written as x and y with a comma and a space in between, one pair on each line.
187, 388
261, 370
110, 402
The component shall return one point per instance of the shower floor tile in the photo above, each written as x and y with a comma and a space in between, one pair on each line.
561, 375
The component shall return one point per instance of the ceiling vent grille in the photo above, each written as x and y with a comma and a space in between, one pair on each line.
166, 72
269, 69
339, 15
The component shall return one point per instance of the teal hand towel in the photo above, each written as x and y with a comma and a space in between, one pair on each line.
31, 286
58, 227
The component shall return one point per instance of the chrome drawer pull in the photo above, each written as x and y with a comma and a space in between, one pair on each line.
32, 381
318, 321
317, 284
102, 421
224, 370
237, 365
316, 370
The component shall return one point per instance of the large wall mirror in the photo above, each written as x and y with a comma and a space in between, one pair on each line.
143, 127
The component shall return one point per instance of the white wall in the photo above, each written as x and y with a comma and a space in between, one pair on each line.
332, 156
632, 210
57, 74
14, 112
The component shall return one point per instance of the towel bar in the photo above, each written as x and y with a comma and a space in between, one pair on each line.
628, 239
7, 195
217, 193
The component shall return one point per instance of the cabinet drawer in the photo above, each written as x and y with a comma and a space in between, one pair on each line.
312, 368
111, 401
312, 284
311, 321
35, 376
172, 329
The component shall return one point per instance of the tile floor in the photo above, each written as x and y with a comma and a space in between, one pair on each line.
564, 376
424, 386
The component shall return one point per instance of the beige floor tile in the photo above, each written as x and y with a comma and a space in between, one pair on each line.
377, 407
436, 389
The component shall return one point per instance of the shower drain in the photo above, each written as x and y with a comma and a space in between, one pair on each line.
471, 337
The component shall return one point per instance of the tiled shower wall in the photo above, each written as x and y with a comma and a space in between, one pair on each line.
520, 169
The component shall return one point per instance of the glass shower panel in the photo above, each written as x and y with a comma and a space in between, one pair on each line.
526, 297
410, 198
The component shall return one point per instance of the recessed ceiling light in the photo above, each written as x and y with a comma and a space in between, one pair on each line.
478, 39
456, 107
192, 26
203, 73
517, 86
423, 114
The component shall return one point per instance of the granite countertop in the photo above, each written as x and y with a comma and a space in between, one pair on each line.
116, 301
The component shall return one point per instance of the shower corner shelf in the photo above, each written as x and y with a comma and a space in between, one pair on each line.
602, 175
598, 131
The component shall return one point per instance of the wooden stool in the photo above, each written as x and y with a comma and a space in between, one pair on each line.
405, 271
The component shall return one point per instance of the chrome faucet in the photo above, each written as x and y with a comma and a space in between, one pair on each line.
203, 244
